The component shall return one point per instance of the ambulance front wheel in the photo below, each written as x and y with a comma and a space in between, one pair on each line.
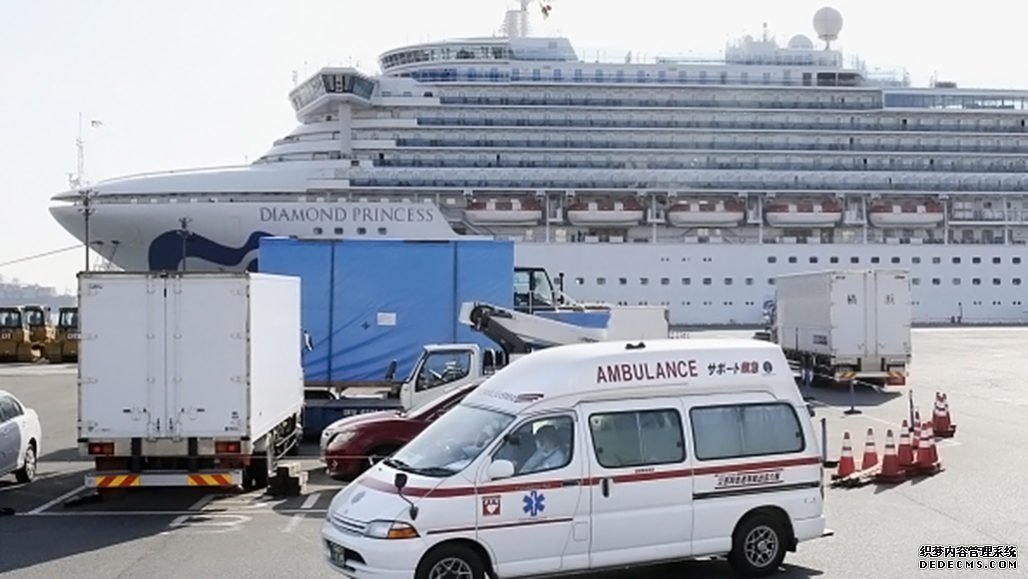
758, 545
451, 561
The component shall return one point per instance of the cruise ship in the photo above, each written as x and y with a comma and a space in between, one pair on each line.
682, 182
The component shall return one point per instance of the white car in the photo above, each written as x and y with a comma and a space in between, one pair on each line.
20, 434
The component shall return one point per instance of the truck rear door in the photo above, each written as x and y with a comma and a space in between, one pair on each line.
207, 355
121, 359
849, 325
892, 315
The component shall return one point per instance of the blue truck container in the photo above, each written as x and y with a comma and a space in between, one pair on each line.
366, 303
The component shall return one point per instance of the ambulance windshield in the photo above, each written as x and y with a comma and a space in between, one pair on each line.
449, 444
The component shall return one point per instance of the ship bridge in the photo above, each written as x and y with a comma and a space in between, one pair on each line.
330, 87
482, 51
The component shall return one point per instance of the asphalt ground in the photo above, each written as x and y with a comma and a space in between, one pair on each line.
978, 499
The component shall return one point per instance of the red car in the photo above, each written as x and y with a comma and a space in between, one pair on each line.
357, 442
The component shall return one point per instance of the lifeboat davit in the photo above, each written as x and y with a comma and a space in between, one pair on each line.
803, 213
504, 212
606, 212
906, 214
706, 213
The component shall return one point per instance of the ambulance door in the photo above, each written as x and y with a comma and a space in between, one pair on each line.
536, 521
641, 489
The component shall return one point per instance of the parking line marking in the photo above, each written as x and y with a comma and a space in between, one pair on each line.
49, 504
185, 514
200, 504
311, 501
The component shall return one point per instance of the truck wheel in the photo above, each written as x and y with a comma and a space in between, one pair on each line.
451, 561
758, 546
28, 472
256, 476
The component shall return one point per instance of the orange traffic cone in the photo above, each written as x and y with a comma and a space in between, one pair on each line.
927, 456
870, 454
846, 466
943, 426
906, 451
891, 471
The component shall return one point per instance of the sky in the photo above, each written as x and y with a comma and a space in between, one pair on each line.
195, 83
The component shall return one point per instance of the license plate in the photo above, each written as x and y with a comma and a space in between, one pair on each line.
73, 335
5, 336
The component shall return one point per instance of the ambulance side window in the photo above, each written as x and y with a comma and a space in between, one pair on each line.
648, 437
540, 445
741, 430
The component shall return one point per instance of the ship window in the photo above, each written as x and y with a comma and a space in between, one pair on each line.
995, 281
601, 281
579, 281
770, 281
854, 259
749, 281
813, 259
728, 281
772, 259
644, 281
956, 281
1016, 281
976, 281
382, 230
686, 281
792, 259
916, 281
997, 260
833, 259
875, 259
976, 260
1016, 259
936, 281
623, 280
956, 260
338, 230
707, 281
665, 281
361, 231
895, 260
915, 259
936, 260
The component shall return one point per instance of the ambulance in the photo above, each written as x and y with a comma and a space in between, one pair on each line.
591, 457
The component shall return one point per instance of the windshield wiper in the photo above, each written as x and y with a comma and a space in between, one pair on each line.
433, 471
398, 464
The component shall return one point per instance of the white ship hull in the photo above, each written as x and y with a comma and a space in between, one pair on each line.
727, 284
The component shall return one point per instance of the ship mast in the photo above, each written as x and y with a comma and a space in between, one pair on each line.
515, 24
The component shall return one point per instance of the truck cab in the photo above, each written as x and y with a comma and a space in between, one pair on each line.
443, 368
535, 291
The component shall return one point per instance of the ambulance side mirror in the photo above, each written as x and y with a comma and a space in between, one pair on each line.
500, 469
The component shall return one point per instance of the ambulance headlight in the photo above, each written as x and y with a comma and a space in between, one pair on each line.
390, 530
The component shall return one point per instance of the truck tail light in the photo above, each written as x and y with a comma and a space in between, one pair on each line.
227, 447
102, 448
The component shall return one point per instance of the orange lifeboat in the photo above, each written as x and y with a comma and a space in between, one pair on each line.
906, 213
804, 213
706, 213
504, 212
606, 212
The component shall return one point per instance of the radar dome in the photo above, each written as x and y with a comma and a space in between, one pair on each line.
800, 42
827, 23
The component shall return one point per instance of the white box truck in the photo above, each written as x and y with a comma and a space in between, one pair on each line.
846, 325
188, 379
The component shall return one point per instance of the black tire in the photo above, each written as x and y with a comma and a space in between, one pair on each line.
758, 546
27, 472
257, 475
433, 565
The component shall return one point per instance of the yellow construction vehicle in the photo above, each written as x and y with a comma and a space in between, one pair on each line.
65, 347
16, 335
